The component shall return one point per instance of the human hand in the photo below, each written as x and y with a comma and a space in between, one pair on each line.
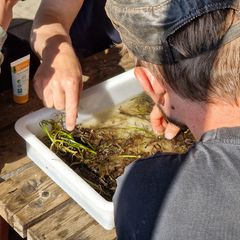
58, 82
6, 12
161, 126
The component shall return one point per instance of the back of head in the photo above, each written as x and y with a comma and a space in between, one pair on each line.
208, 74
195, 45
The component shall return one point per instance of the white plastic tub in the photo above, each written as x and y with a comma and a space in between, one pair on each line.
96, 99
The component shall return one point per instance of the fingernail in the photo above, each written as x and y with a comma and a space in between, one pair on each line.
70, 128
169, 136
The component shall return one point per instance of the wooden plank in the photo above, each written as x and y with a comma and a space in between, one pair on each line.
20, 166
12, 150
72, 223
28, 198
105, 65
12, 153
11, 111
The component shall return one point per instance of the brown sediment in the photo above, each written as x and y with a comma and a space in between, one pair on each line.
100, 149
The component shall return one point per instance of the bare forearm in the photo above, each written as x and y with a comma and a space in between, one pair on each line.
48, 40
58, 80
52, 24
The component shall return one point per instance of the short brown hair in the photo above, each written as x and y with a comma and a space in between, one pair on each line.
212, 74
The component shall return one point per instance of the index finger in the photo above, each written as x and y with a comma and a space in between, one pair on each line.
72, 94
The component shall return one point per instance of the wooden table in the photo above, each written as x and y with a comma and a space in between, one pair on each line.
30, 201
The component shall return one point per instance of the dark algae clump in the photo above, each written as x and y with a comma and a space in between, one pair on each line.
100, 149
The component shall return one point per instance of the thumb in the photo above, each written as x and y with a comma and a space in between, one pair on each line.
157, 120
171, 131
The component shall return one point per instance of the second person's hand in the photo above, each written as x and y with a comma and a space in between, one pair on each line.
161, 126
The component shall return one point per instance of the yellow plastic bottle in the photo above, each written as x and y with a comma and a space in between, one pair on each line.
20, 79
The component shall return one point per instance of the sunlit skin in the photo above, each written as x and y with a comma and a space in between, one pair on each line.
199, 117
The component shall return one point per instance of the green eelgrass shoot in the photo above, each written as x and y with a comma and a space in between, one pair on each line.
100, 152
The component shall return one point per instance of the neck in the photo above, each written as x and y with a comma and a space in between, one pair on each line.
210, 116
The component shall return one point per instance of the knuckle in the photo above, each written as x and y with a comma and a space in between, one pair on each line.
70, 82
48, 104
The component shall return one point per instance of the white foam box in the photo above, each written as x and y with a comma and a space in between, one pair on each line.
93, 100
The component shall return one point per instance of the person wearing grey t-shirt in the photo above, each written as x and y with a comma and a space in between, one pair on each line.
188, 60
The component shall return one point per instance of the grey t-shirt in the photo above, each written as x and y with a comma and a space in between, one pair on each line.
190, 196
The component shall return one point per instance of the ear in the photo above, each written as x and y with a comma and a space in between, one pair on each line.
151, 84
